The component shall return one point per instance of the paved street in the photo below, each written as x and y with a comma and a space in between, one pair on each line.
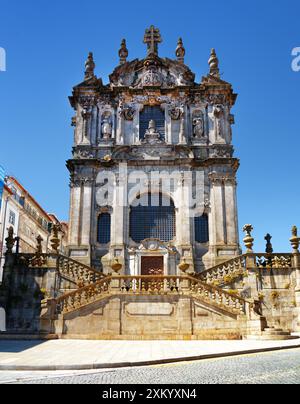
268, 368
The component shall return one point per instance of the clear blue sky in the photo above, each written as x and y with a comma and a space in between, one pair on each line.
47, 44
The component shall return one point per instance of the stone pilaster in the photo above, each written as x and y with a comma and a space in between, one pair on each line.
86, 213
74, 221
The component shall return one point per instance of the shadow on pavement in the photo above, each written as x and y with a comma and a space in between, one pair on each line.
18, 346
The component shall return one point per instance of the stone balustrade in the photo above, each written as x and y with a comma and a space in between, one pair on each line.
274, 261
152, 285
82, 274
231, 269
71, 270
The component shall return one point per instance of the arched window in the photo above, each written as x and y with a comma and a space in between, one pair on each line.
154, 217
201, 229
155, 113
103, 228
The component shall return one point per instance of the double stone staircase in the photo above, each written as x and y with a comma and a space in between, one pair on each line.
80, 285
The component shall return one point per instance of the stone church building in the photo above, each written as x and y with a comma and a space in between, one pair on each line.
154, 118
153, 247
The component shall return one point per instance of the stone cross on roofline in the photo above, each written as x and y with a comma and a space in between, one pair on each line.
152, 38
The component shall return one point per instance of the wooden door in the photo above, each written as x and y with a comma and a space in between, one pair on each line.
152, 266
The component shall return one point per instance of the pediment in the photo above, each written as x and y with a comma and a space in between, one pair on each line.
152, 72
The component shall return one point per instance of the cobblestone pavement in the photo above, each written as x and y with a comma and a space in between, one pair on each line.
268, 368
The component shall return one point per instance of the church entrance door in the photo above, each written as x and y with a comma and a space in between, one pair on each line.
152, 266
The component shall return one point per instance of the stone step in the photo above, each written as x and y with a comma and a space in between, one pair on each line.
271, 337
273, 332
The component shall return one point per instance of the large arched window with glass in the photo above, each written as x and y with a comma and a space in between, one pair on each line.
201, 229
104, 228
153, 216
156, 114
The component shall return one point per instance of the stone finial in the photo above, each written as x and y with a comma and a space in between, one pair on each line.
180, 51
214, 64
89, 67
295, 240
39, 247
123, 52
152, 38
10, 241
248, 240
55, 241
116, 266
269, 247
184, 266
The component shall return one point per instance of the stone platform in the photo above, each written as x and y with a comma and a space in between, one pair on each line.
85, 355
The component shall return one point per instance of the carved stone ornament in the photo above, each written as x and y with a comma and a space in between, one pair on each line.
180, 51
123, 52
55, 241
152, 77
295, 240
10, 241
176, 113
151, 135
221, 152
215, 99
127, 112
79, 153
218, 111
248, 240
87, 102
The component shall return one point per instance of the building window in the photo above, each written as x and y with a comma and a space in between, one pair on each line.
12, 218
153, 220
201, 229
152, 113
104, 228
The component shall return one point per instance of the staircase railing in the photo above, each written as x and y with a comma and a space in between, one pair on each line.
67, 268
152, 285
229, 271
224, 273
80, 273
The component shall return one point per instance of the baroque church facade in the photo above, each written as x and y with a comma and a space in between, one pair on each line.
154, 118
153, 249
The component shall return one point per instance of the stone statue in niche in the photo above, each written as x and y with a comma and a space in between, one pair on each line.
106, 126
198, 125
219, 121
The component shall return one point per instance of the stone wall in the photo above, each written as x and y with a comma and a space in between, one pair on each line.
150, 317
